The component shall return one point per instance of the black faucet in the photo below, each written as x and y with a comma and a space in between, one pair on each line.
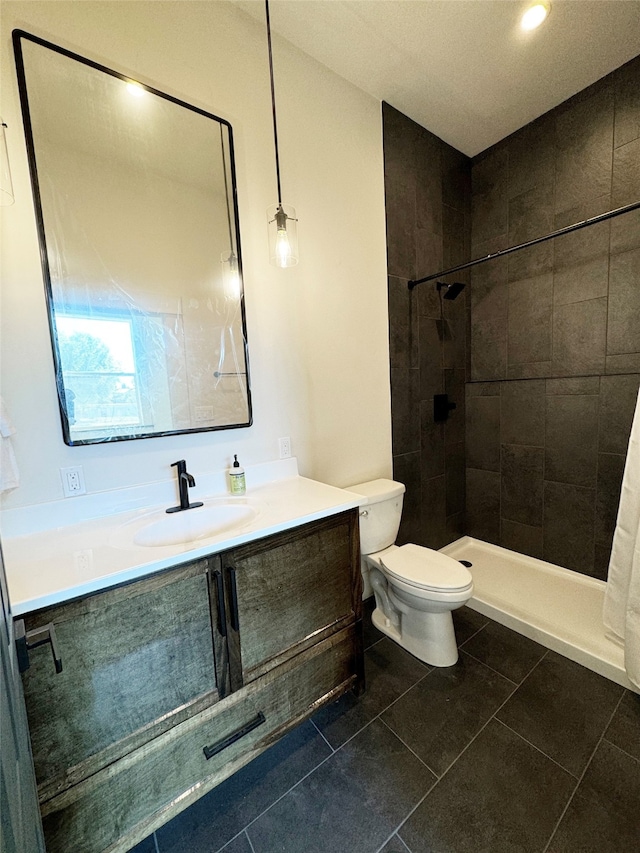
185, 482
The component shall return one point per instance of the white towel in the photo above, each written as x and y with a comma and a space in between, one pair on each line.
622, 597
9, 477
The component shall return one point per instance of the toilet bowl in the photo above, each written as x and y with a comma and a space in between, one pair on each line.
415, 588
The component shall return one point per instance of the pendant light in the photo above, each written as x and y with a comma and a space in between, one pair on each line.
6, 185
282, 221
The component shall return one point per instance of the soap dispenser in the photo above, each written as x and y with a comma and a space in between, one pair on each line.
236, 478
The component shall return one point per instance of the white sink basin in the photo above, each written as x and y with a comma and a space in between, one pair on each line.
189, 525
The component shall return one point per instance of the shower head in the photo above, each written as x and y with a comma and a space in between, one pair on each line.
451, 290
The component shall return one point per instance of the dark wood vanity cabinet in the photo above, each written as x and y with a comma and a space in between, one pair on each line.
172, 682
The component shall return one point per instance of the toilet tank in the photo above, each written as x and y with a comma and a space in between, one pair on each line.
380, 513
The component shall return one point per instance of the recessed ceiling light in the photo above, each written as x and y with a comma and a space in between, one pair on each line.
534, 16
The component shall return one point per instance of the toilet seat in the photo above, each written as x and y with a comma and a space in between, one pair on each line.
423, 568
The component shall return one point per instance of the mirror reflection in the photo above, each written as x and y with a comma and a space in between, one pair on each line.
135, 197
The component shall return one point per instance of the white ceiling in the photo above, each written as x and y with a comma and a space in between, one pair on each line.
461, 68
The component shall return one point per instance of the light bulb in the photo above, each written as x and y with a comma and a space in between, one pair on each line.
534, 16
283, 237
283, 248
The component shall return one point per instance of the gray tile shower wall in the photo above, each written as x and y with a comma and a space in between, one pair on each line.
545, 459
547, 339
428, 207
569, 307
555, 329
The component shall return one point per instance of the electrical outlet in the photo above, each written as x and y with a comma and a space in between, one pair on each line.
285, 447
73, 481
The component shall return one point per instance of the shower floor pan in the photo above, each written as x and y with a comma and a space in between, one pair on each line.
556, 607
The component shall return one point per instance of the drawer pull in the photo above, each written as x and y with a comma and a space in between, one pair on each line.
222, 615
214, 749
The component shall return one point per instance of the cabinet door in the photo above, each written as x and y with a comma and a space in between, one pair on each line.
288, 591
137, 660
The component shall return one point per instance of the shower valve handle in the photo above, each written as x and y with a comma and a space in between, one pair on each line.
441, 407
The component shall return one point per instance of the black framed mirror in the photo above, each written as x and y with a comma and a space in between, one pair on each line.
135, 199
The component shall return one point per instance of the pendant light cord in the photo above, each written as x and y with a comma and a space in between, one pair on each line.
273, 104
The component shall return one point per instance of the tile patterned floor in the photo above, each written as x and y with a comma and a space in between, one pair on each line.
515, 749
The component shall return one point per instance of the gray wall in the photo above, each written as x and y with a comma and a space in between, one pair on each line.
555, 329
549, 344
427, 186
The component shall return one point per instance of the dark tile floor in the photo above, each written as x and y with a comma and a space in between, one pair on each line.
515, 749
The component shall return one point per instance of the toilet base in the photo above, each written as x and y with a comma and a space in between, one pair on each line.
428, 636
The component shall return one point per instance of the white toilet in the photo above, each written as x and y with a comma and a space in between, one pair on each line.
415, 588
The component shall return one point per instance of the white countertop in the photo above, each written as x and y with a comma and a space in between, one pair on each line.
52, 565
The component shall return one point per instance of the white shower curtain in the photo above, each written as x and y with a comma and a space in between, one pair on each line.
622, 597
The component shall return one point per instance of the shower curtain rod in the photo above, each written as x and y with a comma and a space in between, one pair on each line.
601, 217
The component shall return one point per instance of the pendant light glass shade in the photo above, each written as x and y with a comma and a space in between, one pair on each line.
283, 235
6, 185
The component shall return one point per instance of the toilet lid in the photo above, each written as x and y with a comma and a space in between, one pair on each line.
422, 567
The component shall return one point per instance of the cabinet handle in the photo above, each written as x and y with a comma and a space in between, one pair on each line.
222, 614
235, 617
27, 640
214, 749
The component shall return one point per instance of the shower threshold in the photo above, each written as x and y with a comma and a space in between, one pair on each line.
556, 607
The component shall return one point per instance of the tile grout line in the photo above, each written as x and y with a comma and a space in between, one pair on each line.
457, 758
375, 643
404, 693
412, 751
493, 716
253, 849
491, 669
537, 748
396, 831
471, 636
387, 840
324, 760
498, 720
313, 770
295, 785
620, 749
611, 197
233, 838
386, 708
598, 423
321, 735
583, 774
